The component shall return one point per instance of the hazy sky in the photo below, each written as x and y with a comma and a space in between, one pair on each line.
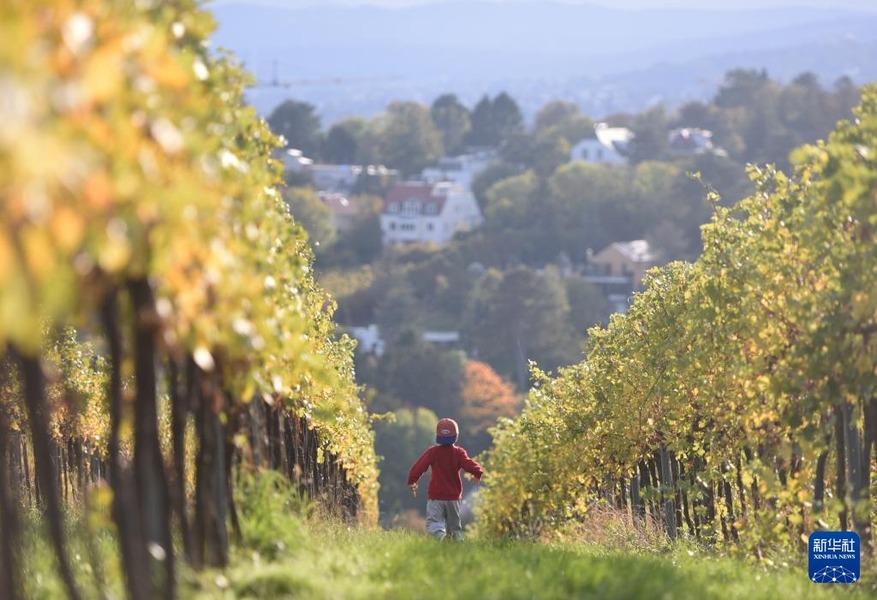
870, 5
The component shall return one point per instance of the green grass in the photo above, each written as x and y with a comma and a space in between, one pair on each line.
288, 552
336, 563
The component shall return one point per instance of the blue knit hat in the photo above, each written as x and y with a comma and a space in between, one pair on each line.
446, 431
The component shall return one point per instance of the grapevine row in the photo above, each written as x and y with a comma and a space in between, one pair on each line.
160, 325
736, 401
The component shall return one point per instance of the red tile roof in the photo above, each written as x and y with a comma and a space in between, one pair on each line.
423, 193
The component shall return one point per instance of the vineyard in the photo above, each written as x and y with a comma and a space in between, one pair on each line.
735, 402
160, 325
163, 336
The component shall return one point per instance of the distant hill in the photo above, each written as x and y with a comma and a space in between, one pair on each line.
354, 60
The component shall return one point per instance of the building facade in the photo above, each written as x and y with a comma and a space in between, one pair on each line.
427, 213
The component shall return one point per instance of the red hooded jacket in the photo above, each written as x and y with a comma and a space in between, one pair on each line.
446, 461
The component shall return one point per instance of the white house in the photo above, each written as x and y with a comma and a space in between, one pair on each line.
688, 141
423, 212
609, 146
460, 169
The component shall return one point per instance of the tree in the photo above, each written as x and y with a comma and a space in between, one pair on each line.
697, 114
313, 214
555, 114
483, 129
491, 174
420, 374
518, 149
653, 184
742, 87
342, 141
590, 206
846, 96
363, 242
557, 126
650, 136
407, 138
508, 202
671, 242
399, 308
452, 119
550, 150
507, 117
748, 101
398, 443
299, 125
587, 305
485, 398
526, 317
689, 207
654, 188
494, 120
563, 118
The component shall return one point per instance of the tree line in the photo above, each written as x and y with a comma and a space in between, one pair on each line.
754, 118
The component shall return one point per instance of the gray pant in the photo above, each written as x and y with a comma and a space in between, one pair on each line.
443, 519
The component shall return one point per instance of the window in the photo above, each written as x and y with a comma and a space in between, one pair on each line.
394, 207
411, 207
429, 226
585, 153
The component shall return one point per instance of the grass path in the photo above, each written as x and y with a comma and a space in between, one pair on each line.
284, 555
358, 565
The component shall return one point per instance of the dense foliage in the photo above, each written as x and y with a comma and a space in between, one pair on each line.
140, 207
735, 401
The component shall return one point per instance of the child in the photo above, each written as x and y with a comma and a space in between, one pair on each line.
445, 486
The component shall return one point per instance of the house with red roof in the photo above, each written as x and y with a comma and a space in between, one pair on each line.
427, 213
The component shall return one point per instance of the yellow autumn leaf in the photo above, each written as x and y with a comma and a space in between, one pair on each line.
103, 75
100, 132
19, 320
168, 72
37, 250
190, 303
248, 391
68, 227
114, 255
98, 191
